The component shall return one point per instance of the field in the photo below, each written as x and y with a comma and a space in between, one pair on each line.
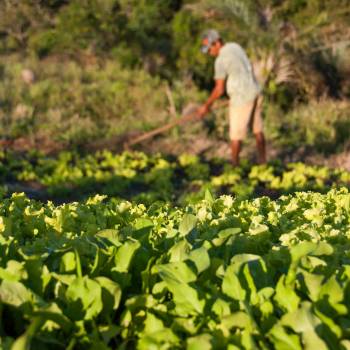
193, 260
168, 246
146, 178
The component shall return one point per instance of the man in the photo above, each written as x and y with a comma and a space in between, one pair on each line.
233, 67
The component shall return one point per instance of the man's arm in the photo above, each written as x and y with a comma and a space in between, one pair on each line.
217, 92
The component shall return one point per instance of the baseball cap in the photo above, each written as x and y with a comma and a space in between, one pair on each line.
211, 35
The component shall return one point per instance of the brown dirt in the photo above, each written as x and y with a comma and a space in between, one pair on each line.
200, 144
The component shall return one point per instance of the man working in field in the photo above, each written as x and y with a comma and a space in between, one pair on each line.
233, 67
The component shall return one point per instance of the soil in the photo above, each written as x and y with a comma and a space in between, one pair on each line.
200, 144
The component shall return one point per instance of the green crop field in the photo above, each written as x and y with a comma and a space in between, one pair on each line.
146, 178
111, 239
179, 266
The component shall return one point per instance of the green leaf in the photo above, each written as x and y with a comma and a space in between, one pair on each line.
14, 271
152, 324
221, 308
163, 339
15, 293
208, 196
187, 299
334, 293
68, 263
159, 288
78, 263
329, 322
306, 248
345, 344
177, 276
238, 260
285, 296
125, 254
111, 235
53, 313
111, 293
200, 342
179, 251
5, 226
303, 249
186, 325
39, 276
201, 259
187, 224
233, 347
140, 301
65, 279
177, 272
224, 235
141, 223
85, 298
282, 340
248, 340
237, 319
255, 275
231, 285
304, 321
313, 283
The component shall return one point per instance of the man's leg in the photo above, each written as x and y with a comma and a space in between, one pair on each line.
261, 146
235, 150
258, 130
239, 121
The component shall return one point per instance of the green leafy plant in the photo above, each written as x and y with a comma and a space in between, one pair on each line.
220, 272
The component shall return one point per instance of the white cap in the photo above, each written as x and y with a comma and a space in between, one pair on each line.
212, 35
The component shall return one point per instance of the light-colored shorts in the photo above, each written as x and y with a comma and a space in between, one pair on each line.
243, 117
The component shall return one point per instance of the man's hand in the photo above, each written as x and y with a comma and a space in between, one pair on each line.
218, 90
202, 111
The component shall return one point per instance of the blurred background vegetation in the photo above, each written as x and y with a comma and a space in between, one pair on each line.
80, 71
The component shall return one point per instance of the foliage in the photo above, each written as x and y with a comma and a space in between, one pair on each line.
72, 103
219, 273
102, 48
322, 126
163, 36
145, 179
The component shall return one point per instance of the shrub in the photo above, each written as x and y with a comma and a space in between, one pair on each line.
323, 125
70, 102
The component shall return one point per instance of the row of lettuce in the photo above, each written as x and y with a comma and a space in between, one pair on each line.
147, 178
219, 273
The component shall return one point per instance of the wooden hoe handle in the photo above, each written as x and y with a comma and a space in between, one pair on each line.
182, 120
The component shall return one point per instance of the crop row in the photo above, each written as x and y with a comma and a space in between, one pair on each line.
219, 273
145, 179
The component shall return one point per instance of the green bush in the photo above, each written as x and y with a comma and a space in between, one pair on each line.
323, 125
70, 102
